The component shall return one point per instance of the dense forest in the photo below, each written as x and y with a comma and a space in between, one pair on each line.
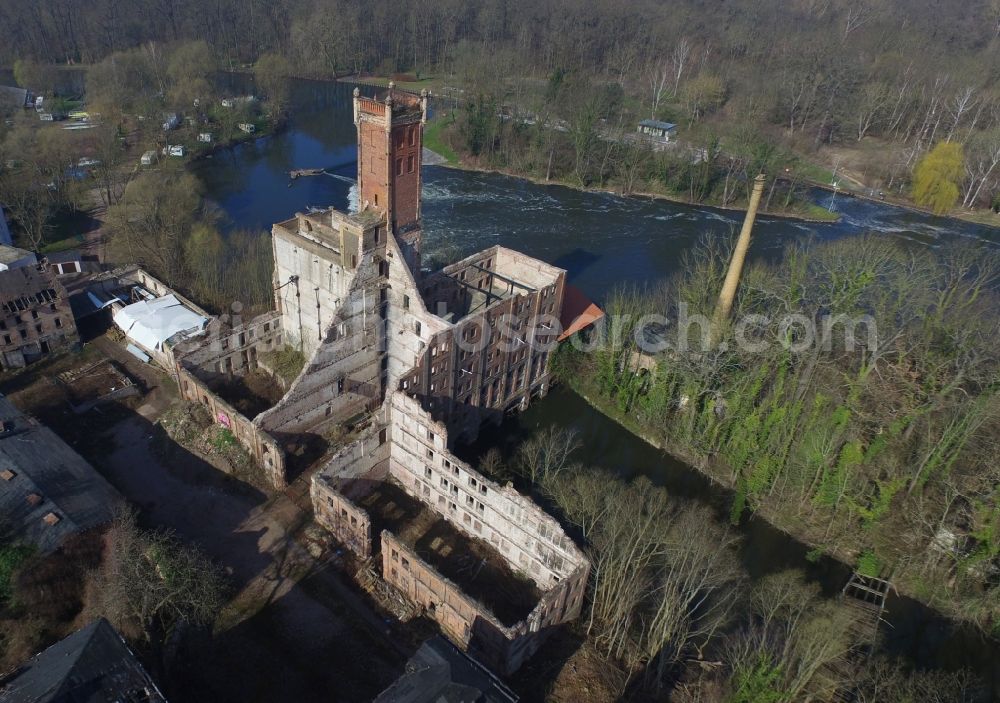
885, 80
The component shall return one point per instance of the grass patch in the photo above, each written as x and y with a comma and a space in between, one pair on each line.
286, 363
223, 439
814, 172
815, 212
980, 217
71, 242
434, 138
869, 564
12, 556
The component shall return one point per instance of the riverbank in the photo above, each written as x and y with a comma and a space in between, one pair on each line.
720, 477
449, 163
977, 217
434, 140
270, 128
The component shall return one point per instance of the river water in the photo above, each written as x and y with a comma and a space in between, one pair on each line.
602, 241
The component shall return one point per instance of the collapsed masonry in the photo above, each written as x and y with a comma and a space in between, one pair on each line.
399, 364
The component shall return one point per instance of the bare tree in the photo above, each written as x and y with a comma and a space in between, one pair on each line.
963, 101
678, 59
152, 581
544, 456
875, 98
981, 163
657, 74
859, 13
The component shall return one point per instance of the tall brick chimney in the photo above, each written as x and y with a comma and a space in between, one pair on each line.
390, 143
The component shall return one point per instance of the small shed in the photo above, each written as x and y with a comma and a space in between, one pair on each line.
66, 262
248, 127
655, 129
148, 158
205, 138
12, 96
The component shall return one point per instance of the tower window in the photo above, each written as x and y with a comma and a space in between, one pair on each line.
399, 167
409, 164
413, 136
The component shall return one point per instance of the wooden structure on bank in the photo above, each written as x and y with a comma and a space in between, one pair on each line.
864, 597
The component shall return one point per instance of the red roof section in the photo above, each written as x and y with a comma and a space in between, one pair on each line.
578, 312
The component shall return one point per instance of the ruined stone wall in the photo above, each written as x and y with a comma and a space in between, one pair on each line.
261, 446
36, 318
467, 622
406, 444
342, 379
442, 600
495, 357
348, 476
531, 541
315, 261
349, 524
142, 277
410, 325
231, 350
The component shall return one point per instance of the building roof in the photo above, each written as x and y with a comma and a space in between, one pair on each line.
26, 286
63, 257
440, 673
150, 323
47, 490
656, 124
93, 665
9, 254
578, 312
12, 96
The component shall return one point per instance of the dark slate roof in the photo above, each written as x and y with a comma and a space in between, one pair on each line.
63, 257
9, 254
47, 477
656, 124
26, 281
93, 665
440, 673
11, 96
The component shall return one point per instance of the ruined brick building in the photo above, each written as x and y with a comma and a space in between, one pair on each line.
35, 316
399, 365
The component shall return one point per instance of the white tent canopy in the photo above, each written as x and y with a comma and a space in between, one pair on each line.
149, 323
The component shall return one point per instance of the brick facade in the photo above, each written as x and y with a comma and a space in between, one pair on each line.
35, 316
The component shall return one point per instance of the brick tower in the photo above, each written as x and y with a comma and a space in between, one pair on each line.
390, 143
